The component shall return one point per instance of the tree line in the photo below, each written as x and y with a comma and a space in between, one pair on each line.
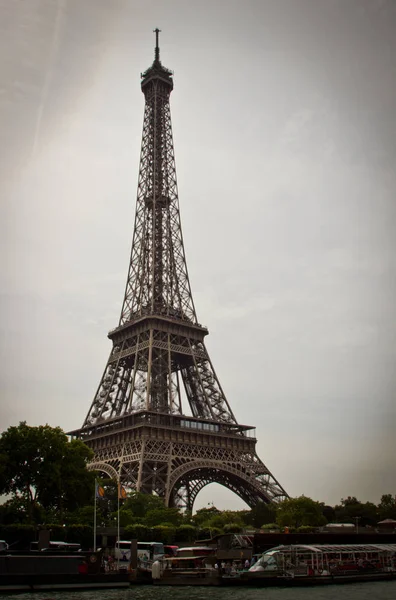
46, 482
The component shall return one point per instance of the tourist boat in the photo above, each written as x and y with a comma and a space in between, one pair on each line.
185, 570
319, 565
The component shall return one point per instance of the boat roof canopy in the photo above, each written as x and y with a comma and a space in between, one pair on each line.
335, 548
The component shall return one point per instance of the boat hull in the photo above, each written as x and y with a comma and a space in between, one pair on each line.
258, 580
35, 582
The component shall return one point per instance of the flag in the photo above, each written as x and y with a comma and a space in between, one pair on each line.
121, 492
99, 491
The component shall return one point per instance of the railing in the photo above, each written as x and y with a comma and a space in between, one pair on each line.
168, 421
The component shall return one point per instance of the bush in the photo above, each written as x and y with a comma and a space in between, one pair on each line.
306, 529
185, 533
80, 534
19, 535
138, 532
269, 526
164, 533
206, 533
233, 528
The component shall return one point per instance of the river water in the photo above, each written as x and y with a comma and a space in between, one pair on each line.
384, 590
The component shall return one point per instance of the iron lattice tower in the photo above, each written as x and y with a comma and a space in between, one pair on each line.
136, 424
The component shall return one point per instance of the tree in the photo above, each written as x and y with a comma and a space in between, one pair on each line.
13, 512
232, 528
164, 533
216, 519
186, 533
205, 514
387, 507
140, 504
109, 503
159, 516
40, 465
328, 513
139, 532
270, 527
295, 512
352, 510
259, 515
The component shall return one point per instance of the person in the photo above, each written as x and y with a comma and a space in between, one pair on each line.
110, 562
247, 563
156, 570
253, 561
105, 563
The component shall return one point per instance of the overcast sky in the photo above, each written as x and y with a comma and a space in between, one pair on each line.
284, 121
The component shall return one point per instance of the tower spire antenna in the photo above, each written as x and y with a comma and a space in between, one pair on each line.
157, 55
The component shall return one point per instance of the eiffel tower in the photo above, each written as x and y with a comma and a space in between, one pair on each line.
137, 424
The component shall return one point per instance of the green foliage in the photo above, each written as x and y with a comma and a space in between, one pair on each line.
18, 535
85, 515
157, 516
140, 504
387, 507
261, 514
186, 533
221, 519
328, 513
295, 512
14, 511
306, 529
108, 505
233, 528
351, 509
42, 467
205, 533
58, 532
163, 533
204, 515
126, 517
138, 532
80, 534
269, 527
